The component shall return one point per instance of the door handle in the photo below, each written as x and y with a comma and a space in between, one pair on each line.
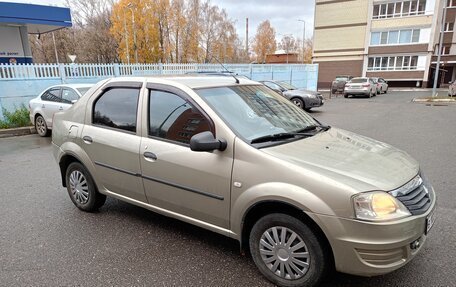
87, 139
150, 156
43, 106
60, 108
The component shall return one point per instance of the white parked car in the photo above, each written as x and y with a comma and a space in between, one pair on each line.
382, 85
360, 87
54, 99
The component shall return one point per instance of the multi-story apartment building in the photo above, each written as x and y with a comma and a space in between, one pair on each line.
393, 39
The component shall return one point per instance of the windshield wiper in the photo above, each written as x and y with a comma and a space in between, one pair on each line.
277, 137
281, 136
313, 127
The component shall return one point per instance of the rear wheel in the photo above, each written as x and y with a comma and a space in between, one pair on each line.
345, 95
287, 252
81, 188
41, 126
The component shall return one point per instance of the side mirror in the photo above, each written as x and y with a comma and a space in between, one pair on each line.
280, 92
74, 101
450, 82
205, 141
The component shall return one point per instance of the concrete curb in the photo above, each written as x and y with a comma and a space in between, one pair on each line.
5, 133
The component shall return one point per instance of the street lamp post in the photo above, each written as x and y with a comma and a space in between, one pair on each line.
303, 38
439, 53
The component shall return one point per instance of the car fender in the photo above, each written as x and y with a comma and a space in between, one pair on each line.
275, 191
74, 150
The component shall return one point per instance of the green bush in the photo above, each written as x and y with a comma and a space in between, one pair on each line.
18, 118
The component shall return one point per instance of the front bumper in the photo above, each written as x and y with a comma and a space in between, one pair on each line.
314, 102
371, 248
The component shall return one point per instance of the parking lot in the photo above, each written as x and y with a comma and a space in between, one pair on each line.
45, 240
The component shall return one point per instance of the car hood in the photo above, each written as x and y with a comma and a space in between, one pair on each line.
358, 162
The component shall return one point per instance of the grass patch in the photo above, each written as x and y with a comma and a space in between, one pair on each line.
18, 118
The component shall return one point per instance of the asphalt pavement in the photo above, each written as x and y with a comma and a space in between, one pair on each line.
46, 241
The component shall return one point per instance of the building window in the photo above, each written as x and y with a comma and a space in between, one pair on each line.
451, 3
392, 63
395, 37
400, 9
449, 26
446, 50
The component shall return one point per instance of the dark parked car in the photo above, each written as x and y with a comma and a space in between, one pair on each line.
338, 85
300, 97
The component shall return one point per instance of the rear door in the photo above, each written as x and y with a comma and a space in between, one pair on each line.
51, 101
193, 184
110, 139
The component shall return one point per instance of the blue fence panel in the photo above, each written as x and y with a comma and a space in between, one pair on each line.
21, 82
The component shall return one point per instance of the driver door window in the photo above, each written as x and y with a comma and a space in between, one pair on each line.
173, 118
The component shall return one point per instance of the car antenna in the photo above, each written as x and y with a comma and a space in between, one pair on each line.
229, 72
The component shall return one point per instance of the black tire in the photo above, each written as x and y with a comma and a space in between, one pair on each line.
319, 260
345, 95
79, 192
386, 91
41, 126
298, 102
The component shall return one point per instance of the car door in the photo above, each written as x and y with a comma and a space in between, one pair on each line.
110, 139
50, 104
193, 184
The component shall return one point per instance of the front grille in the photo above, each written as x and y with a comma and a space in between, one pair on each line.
414, 195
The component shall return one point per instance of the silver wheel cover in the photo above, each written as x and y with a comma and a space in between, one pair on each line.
79, 187
284, 253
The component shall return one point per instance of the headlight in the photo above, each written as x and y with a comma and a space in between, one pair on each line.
378, 206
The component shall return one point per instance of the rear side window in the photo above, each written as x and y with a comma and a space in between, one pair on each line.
117, 108
173, 118
52, 95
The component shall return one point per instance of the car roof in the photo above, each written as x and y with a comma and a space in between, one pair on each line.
74, 86
191, 81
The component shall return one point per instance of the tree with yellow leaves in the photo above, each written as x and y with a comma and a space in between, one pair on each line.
264, 42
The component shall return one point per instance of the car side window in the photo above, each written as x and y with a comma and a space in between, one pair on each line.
117, 108
52, 95
272, 86
69, 95
173, 118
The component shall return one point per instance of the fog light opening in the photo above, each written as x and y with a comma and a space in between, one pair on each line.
415, 244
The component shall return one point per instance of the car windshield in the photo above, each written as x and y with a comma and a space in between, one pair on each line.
287, 86
255, 111
359, 80
84, 90
341, 78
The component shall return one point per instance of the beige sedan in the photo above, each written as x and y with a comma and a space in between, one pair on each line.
232, 156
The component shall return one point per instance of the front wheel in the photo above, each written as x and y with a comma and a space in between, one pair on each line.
298, 102
82, 189
287, 252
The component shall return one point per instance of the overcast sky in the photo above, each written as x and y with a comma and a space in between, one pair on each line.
283, 14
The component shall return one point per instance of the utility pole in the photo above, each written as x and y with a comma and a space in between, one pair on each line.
303, 38
439, 53
126, 39
55, 49
247, 36
134, 31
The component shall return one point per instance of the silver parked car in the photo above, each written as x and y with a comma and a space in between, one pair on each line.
382, 85
232, 156
54, 99
302, 98
360, 87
